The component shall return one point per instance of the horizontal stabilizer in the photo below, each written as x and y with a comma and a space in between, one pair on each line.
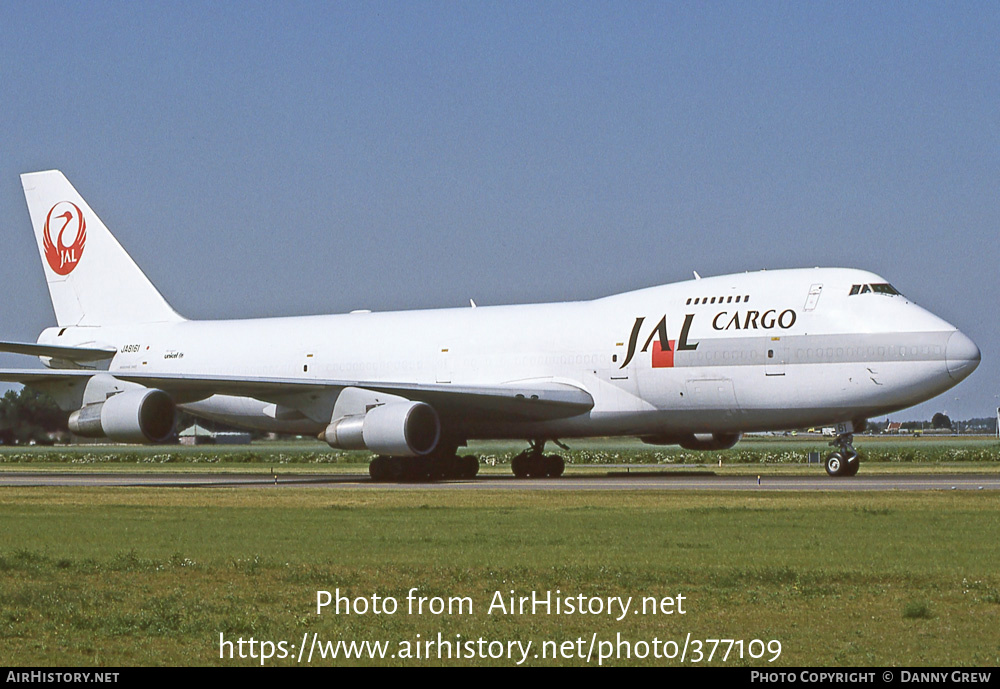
78, 354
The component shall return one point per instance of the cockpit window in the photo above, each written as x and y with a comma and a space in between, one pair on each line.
877, 288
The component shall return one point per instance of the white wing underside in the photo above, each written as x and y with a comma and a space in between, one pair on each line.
526, 401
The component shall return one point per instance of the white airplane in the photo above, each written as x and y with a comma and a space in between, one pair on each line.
695, 363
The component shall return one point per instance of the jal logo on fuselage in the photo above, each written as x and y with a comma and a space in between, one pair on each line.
663, 346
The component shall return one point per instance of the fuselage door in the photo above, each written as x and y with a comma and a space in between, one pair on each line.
813, 298
775, 357
711, 394
443, 368
622, 389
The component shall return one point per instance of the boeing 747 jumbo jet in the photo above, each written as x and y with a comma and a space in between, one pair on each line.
695, 364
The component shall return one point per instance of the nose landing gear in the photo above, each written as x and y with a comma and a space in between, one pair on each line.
845, 460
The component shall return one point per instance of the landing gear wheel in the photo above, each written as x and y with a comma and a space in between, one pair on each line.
469, 466
520, 465
452, 467
384, 469
845, 461
458, 467
378, 469
554, 466
537, 467
533, 464
438, 468
419, 469
416, 469
835, 464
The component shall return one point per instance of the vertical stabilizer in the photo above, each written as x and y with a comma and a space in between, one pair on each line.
91, 278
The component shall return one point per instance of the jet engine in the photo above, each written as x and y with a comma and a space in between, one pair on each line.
696, 441
400, 429
137, 416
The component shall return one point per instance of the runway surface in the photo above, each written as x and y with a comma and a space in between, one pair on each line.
613, 480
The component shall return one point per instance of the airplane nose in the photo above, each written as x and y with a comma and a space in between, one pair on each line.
962, 354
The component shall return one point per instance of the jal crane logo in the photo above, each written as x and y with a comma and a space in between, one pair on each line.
67, 218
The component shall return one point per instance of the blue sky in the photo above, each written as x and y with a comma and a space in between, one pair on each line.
289, 158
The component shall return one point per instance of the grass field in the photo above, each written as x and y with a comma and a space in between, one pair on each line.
137, 576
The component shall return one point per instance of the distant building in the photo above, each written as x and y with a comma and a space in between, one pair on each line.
893, 427
197, 435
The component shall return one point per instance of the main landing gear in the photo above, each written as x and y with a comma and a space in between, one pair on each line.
844, 461
434, 468
533, 464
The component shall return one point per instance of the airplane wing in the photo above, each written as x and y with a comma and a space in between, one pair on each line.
526, 401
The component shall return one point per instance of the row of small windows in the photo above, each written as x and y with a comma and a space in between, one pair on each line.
727, 355
872, 351
721, 300
811, 354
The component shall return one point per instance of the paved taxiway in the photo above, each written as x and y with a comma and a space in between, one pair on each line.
635, 480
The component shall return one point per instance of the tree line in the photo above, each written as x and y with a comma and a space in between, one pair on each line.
28, 416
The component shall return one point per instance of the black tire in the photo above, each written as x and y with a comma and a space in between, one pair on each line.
537, 466
520, 465
451, 467
469, 466
554, 466
393, 469
852, 468
835, 464
438, 468
416, 469
378, 469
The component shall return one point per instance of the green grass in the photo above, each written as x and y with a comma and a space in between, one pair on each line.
152, 576
312, 455
917, 610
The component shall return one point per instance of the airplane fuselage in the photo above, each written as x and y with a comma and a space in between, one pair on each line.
746, 352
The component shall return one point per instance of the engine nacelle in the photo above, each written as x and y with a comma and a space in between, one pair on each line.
696, 441
137, 416
400, 429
